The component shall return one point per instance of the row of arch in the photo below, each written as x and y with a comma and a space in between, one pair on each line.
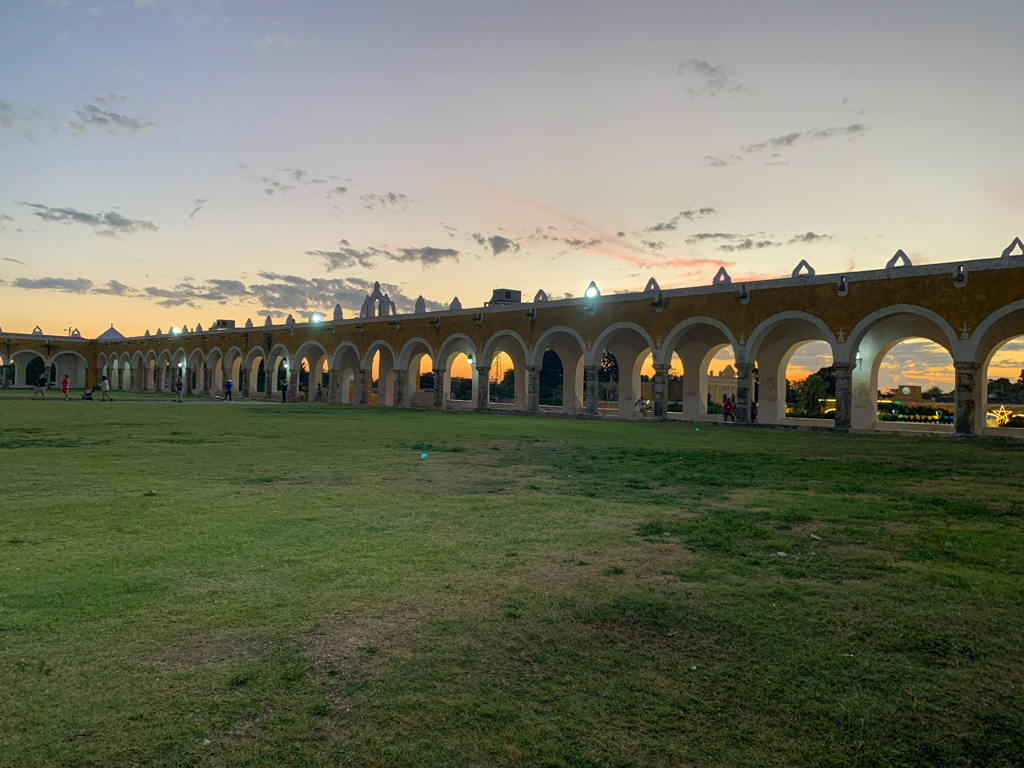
389, 376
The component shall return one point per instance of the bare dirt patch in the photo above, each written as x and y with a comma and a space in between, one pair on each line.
645, 562
188, 655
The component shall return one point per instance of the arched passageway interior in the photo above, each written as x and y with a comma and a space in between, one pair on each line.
809, 391
703, 349
873, 346
1003, 374
561, 375
502, 377
916, 380
382, 379
620, 357
460, 378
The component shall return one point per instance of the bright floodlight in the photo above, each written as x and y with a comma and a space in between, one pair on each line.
175, 331
592, 291
317, 318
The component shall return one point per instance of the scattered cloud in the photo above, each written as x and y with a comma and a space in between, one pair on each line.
721, 162
199, 203
580, 245
347, 257
14, 261
748, 245
389, 201
497, 243
701, 236
654, 245
273, 186
778, 144
716, 79
65, 285
115, 288
335, 190
620, 234
427, 256
809, 237
19, 120
109, 224
100, 117
689, 214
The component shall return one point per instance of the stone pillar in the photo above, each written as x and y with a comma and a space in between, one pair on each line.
334, 386
965, 403
225, 376
743, 393
361, 387
844, 396
293, 385
533, 388
439, 387
589, 389
401, 378
660, 390
483, 387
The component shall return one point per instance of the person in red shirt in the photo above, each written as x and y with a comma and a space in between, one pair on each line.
65, 386
727, 411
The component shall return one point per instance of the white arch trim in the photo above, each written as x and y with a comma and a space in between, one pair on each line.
340, 350
860, 330
592, 356
663, 356
367, 360
537, 354
973, 347
769, 324
447, 349
405, 357
491, 346
304, 350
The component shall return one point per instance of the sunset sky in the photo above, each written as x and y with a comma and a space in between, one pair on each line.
167, 162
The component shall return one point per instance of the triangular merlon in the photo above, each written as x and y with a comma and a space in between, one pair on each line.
721, 277
899, 259
803, 265
1015, 244
652, 286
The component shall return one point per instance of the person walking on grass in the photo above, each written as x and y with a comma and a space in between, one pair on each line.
105, 389
727, 410
65, 385
179, 387
228, 386
40, 389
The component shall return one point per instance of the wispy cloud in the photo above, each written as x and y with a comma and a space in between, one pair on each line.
392, 201
14, 261
497, 243
809, 237
273, 41
748, 245
199, 203
108, 224
99, 116
348, 257
778, 144
62, 284
689, 214
22, 121
715, 79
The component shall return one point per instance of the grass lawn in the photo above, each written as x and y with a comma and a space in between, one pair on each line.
257, 584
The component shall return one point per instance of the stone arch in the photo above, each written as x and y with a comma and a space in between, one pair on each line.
149, 367
571, 350
278, 359
408, 372
125, 373
232, 368
452, 347
21, 358
697, 340
254, 358
771, 346
72, 364
195, 373
992, 333
138, 372
164, 370
870, 341
386, 378
316, 355
513, 345
346, 363
630, 345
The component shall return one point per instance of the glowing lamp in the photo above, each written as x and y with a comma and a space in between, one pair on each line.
175, 331
592, 291
317, 318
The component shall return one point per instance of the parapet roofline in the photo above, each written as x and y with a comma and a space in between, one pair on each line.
950, 268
